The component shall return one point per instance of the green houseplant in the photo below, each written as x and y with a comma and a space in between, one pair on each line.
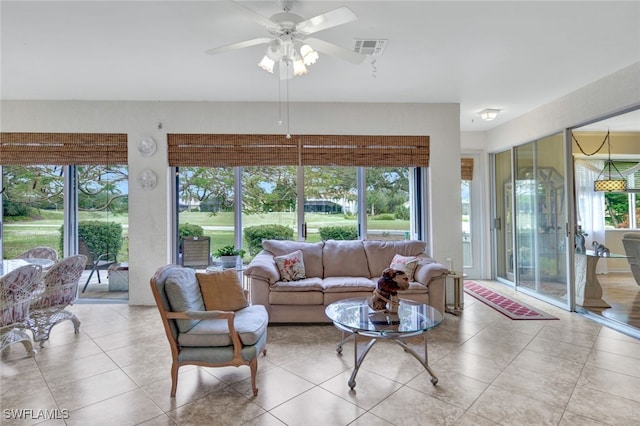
229, 256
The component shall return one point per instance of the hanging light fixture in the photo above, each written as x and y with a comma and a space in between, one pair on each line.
609, 183
285, 51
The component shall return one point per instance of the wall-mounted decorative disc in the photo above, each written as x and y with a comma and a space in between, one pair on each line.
147, 179
147, 146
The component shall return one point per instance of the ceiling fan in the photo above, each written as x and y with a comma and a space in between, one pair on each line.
289, 48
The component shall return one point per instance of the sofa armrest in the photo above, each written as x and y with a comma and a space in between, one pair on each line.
263, 267
428, 270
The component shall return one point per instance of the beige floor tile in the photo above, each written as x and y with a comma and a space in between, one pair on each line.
617, 346
76, 369
275, 386
548, 365
471, 365
509, 408
515, 372
222, 407
368, 419
332, 365
129, 408
572, 337
319, 407
571, 419
193, 383
608, 381
548, 389
559, 349
410, 407
614, 362
80, 393
452, 388
604, 407
370, 388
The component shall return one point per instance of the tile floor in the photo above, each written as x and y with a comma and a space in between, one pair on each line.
492, 371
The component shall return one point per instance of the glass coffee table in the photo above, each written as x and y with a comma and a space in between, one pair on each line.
355, 318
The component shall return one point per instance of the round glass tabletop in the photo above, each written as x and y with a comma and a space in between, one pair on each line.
356, 315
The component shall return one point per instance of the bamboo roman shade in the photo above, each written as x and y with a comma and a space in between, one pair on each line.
228, 150
63, 148
467, 168
365, 151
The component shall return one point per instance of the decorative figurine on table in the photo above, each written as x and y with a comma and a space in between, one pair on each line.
600, 249
385, 296
581, 246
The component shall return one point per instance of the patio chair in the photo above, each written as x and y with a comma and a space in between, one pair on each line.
40, 253
16, 291
59, 289
196, 252
95, 261
230, 333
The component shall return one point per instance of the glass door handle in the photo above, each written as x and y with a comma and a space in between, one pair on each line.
304, 230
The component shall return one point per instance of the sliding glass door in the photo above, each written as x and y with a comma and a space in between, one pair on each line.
541, 219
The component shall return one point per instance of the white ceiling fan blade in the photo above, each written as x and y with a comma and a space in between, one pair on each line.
332, 18
252, 14
334, 50
239, 45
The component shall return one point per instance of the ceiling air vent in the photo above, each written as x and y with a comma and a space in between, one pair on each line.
369, 47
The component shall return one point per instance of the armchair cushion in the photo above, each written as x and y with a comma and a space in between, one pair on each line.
183, 292
250, 323
222, 291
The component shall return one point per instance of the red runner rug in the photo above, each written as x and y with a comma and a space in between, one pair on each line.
509, 307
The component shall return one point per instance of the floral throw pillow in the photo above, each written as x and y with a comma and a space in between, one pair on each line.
291, 266
408, 264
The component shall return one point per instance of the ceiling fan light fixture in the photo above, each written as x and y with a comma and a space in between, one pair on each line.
299, 68
489, 114
267, 64
309, 56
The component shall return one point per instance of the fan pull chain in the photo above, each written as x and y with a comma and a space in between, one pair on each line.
288, 128
279, 101
373, 68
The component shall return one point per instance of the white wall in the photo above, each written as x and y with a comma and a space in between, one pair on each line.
608, 96
149, 211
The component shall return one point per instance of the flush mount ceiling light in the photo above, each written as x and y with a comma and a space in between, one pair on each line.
489, 114
290, 50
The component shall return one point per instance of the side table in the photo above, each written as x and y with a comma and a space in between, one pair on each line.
457, 278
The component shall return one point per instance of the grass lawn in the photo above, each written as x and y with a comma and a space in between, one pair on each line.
21, 236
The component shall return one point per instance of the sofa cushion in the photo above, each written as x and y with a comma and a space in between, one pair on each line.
408, 264
311, 252
250, 323
291, 266
428, 269
345, 259
380, 253
307, 284
222, 291
347, 284
296, 297
183, 293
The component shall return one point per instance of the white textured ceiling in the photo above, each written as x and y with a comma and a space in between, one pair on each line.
514, 56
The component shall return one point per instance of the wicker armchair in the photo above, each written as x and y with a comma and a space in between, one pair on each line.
40, 253
16, 290
59, 289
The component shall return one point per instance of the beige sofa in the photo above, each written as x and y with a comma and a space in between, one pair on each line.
337, 270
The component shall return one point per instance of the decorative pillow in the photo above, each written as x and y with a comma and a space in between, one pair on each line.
291, 266
183, 293
408, 264
222, 291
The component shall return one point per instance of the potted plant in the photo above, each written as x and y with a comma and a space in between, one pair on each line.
229, 256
